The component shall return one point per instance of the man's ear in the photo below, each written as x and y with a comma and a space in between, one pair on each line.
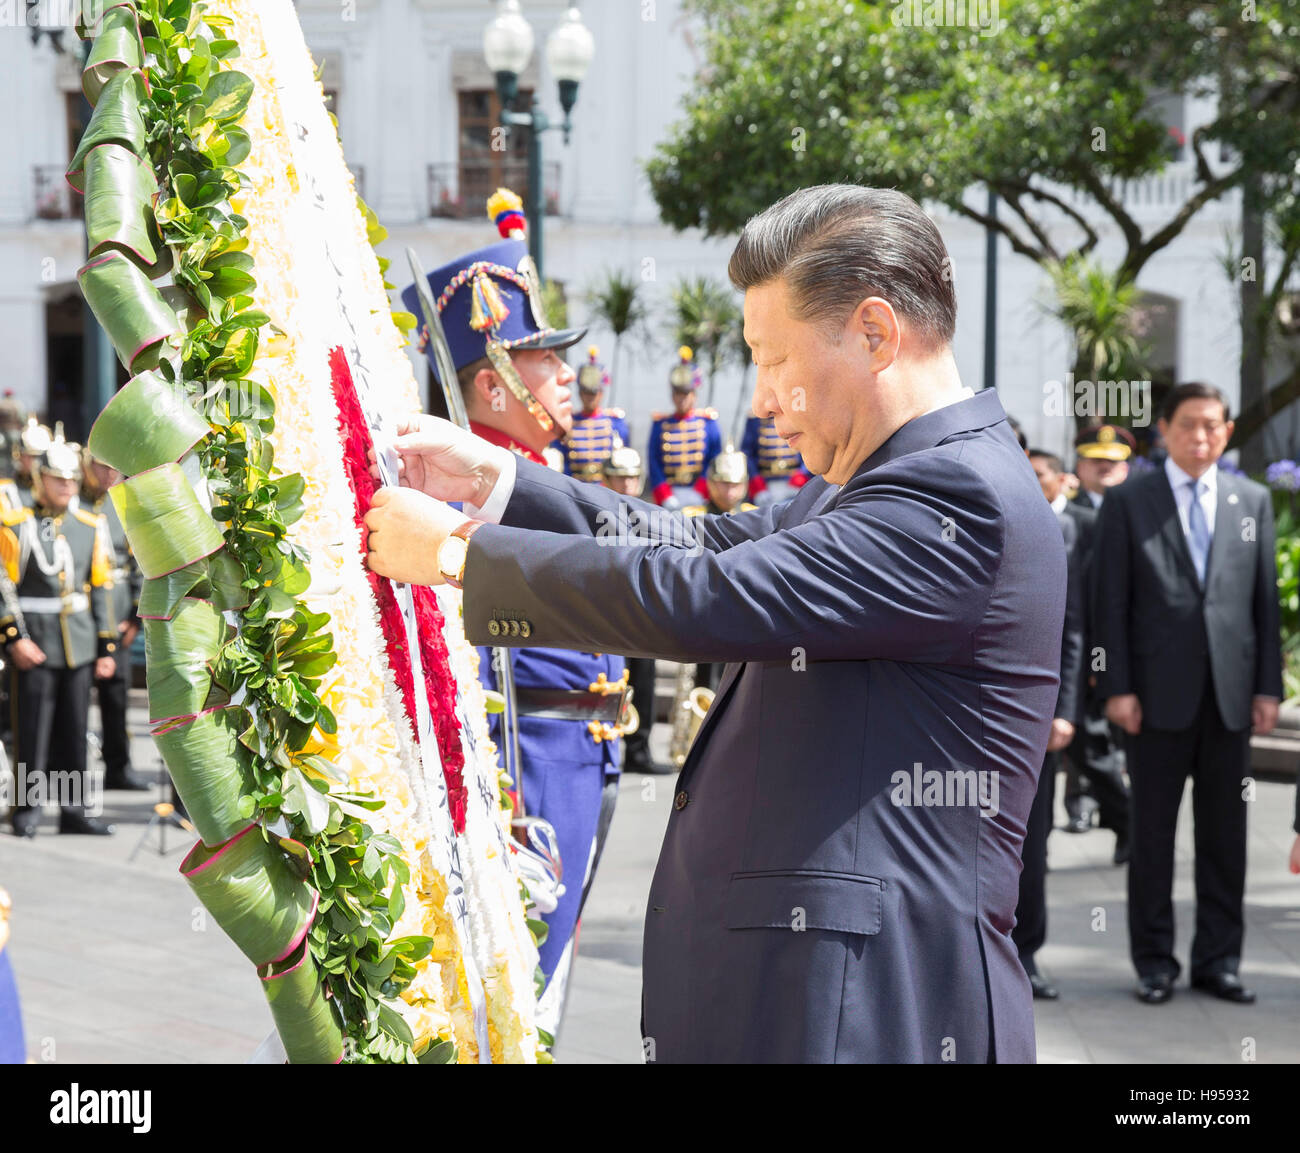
875, 319
486, 386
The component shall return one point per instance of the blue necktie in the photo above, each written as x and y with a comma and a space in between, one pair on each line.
1198, 531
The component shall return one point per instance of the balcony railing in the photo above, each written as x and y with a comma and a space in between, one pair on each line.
460, 191
53, 197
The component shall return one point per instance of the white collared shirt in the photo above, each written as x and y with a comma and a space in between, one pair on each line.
1209, 493
1058, 505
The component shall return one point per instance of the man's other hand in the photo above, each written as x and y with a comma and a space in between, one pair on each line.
1125, 711
1263, 715
439, 459
105, 667
1061, 735
406, 529
26, 654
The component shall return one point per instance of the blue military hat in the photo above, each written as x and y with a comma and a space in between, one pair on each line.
492, 295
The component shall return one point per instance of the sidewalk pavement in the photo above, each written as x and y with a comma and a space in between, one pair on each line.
117, 962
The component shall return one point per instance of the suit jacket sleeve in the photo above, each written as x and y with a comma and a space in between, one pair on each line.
1069, 699
543, 499
1268, 640
899, 569
1110, 596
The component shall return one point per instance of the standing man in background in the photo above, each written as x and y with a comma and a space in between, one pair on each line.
1186, 614
596, 431
682, 442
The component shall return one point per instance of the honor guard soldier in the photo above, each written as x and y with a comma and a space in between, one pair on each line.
682, 442
728, 478
33, 440
57, 638
596, 431
776, 471
571, 705
124, 612
622, 472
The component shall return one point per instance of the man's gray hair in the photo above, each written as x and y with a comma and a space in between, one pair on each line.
837, 244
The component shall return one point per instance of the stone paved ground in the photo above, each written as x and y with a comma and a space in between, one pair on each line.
115, 964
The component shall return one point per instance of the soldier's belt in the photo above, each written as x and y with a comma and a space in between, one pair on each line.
74, 603
588, 470
571, 704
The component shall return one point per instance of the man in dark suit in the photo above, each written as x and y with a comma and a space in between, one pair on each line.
1031, 908
1186, 612
839, 874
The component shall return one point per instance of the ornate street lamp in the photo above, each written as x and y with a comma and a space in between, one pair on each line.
508, 46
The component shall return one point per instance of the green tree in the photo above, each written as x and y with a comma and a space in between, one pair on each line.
705, 316
616, 302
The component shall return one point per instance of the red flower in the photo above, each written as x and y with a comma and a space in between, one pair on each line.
439, 684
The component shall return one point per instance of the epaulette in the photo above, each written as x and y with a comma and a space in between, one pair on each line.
695, 510
711, 413
658, 416
616, 413
12, 517
90, 519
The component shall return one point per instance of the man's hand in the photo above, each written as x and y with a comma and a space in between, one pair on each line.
127, 631
105, 667
443, 461
1263, 715
1061, 735
406, 530
1125, 711
26, 654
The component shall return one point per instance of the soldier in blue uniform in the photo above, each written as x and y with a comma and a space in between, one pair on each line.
570, 704
682, 442
57, 637
596, 431
776, 471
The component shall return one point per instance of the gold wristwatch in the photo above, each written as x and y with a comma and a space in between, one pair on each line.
454, 551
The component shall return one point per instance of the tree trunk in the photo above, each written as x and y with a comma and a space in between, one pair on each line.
1252, 322
1252, 419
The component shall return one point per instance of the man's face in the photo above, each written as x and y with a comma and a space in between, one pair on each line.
683, 401
548, 378
57, 492
817, 389
590, 400
1048, 478
1099, 475
102, 477
726, 494
1197, 434
624, 485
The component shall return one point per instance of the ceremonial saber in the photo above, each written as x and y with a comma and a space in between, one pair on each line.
455, 402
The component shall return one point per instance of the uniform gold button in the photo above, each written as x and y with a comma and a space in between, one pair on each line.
680, 801
494, 628
514, 628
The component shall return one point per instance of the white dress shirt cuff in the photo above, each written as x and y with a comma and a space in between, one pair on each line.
494, 508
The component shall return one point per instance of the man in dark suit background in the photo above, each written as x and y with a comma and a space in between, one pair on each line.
839, 873
1031, 908
1186, 612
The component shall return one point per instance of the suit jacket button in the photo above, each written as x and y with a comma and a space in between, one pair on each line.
514, 628
494, 628
525, 629
680, 801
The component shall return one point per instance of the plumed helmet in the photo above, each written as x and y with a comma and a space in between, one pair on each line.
685, 376
623, 461
593, 376
729, 466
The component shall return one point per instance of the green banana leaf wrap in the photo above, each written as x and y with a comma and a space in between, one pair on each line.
303, 1017
148, 422
117, 119
120, 190
167, 525
180, 654
249, 888
132, 311
210, 768
118, 47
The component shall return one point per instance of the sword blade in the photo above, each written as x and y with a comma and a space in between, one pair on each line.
446, 364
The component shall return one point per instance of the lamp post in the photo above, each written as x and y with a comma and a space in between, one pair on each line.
507, 47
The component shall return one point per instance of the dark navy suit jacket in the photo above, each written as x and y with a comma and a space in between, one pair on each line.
818, 896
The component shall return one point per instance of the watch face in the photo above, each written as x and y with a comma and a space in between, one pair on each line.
451, 557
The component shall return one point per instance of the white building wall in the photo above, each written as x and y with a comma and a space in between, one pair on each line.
395, 64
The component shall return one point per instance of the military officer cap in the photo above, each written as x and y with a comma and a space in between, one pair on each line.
35, 438
593, 376
729, 466
685, 376
61, 459
623, 461
1105, 442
